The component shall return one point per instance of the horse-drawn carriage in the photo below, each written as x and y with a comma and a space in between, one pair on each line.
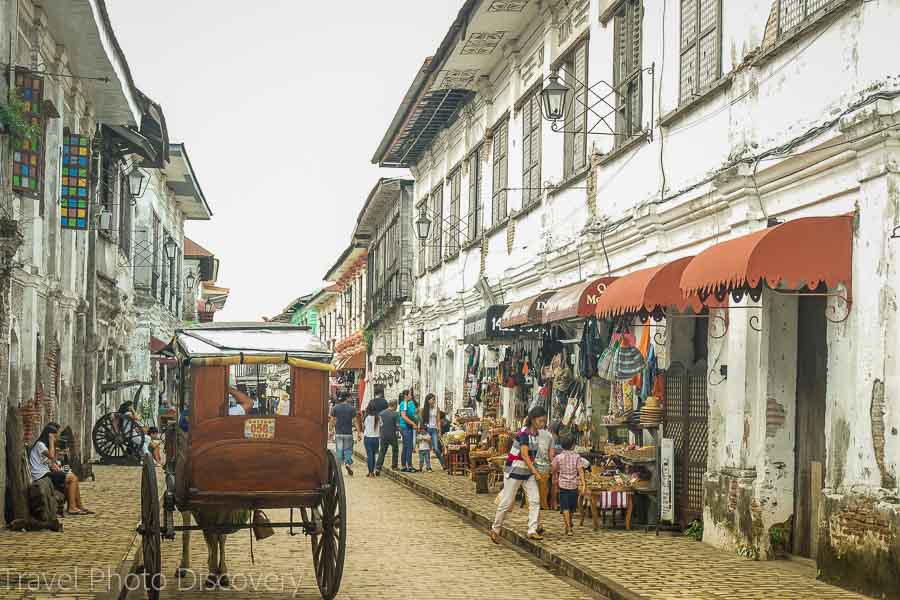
233, 452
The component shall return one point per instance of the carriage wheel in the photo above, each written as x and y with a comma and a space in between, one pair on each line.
330, 546
113, 442
150, 531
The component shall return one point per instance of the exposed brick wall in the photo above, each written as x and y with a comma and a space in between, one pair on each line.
859, 542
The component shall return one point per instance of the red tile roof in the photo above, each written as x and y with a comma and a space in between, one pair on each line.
192, 248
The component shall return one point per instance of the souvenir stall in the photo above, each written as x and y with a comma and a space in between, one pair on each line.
627, 461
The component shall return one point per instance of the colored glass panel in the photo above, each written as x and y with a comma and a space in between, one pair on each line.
27, 160
75, 190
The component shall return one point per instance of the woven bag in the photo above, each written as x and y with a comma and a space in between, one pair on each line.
628, 362
605, 363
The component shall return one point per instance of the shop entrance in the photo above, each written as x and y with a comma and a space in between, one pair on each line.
687, 414
809, 449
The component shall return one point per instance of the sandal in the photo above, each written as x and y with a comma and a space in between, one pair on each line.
87, 511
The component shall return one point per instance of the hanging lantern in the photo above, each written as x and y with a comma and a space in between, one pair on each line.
137, 182
423, 226
554, 99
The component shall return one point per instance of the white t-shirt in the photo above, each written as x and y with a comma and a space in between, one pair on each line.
40, 462
432, 419
372, 426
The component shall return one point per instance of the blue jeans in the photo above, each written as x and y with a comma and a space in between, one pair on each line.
409, 439
436, 444
343, 448
371, 444
424, 460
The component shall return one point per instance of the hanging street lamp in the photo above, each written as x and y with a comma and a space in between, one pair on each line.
170, 247
190, 280
137, 182
423, 226
554, 99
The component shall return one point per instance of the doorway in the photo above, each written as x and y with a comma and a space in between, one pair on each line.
809, 445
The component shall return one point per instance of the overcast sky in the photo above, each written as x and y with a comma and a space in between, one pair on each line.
281, 104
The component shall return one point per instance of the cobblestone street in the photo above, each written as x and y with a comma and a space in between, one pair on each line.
633, 564
399, 544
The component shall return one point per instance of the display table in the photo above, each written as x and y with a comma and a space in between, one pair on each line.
457, 460
598, 500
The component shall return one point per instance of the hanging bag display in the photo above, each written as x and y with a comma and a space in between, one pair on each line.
605, 364
628, 362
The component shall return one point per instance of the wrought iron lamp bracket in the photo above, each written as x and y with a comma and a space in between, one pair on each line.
599, 94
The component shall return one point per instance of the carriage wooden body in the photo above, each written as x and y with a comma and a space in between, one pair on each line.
225, 463
216, 460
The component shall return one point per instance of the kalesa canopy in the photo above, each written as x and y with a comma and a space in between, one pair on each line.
252, 343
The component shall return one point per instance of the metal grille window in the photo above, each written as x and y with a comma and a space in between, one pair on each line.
627, 69
422, 245
437, 225
125, 217
575, 73
476, 208
701, 42
154, 280
501, 173
453, 226
793, 13
531, 150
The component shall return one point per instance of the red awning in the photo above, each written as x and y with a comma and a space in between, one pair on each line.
576, 301
647, 289
156, 345
801, 252
526, 312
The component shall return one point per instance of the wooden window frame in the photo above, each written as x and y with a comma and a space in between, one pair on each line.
437, 226
423, 246
531, 135
475, 215
575, 136
714, 29
627, 71
453, 228
820, 7
500, 172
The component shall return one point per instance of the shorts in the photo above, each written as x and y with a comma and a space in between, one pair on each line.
568, 500
58, 479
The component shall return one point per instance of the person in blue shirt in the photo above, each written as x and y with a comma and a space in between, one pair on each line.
408, 425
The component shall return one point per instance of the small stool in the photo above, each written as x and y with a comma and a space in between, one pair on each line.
604, 500
458, 462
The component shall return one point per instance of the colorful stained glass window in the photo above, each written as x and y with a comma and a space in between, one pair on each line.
75, 198
27, 154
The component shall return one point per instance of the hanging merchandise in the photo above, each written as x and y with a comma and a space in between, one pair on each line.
649, 375
589, 349
605, 364
628, 362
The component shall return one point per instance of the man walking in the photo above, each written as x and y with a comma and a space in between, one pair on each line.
342, 415
390, 421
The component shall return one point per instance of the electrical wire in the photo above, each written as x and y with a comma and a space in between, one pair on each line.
662, 137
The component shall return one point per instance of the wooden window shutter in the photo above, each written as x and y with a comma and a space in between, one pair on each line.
635, 66
689, 62
579, 125
535, 183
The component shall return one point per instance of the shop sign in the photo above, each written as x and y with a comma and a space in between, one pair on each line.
667, 481
388, 360
420, 337
485, 325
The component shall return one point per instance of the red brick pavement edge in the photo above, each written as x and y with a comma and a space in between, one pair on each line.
575, 571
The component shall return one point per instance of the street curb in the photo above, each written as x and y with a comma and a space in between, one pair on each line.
575, 571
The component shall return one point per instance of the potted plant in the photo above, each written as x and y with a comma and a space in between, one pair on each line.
778, 538
695, 530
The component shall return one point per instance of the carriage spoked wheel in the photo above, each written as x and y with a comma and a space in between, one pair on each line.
150, 530
117, 436
330, 545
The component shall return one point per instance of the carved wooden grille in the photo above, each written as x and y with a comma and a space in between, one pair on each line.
687, 414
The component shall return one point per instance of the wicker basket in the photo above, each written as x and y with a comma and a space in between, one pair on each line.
647, 453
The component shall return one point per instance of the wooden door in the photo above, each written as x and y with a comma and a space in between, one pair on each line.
687, 423
809, 448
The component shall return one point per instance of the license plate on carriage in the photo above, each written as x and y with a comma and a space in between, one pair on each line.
259, 429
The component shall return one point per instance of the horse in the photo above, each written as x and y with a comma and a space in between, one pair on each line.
217, 525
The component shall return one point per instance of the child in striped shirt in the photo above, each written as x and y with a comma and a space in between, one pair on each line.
569, 474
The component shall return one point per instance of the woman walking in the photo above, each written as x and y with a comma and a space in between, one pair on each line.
521, 472
372, 437
432, 421
409, 423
